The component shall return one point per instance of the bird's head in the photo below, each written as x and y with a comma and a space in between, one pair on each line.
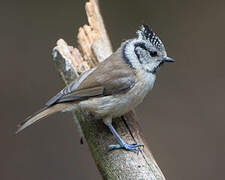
146, 51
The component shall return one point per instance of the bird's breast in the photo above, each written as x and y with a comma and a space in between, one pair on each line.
145, 82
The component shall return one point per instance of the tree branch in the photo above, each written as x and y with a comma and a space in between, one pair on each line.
94, 46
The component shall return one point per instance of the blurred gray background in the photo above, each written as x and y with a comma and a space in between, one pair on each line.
182, 118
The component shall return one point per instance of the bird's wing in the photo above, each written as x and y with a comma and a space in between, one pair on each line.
112, 76
69, 89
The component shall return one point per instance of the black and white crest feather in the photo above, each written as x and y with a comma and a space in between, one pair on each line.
147, 33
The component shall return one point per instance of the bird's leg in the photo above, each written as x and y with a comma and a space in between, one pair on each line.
122, 144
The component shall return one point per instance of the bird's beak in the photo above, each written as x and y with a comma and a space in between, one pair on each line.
168, 59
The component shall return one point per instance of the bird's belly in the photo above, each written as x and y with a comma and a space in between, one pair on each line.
120, 104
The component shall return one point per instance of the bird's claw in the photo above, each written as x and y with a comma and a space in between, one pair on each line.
129, 147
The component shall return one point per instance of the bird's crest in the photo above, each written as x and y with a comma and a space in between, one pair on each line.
146, 33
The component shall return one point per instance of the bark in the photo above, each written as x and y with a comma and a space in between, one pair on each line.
93, 47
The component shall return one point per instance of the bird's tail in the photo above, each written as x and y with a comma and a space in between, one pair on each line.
44, 112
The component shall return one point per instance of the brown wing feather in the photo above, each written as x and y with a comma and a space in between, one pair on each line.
69, 88
112, 76
82, 94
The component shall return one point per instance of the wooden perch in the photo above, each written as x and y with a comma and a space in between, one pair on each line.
94, 47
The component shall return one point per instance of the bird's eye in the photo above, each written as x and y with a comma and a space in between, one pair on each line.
153, 53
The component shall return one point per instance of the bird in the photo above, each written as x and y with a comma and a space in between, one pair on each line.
114, 87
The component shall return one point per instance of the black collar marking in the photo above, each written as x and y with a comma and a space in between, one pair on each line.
125, 55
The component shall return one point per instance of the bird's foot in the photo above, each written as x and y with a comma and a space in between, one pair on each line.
128, 147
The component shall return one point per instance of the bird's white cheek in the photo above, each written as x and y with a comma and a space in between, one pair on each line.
150, 66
